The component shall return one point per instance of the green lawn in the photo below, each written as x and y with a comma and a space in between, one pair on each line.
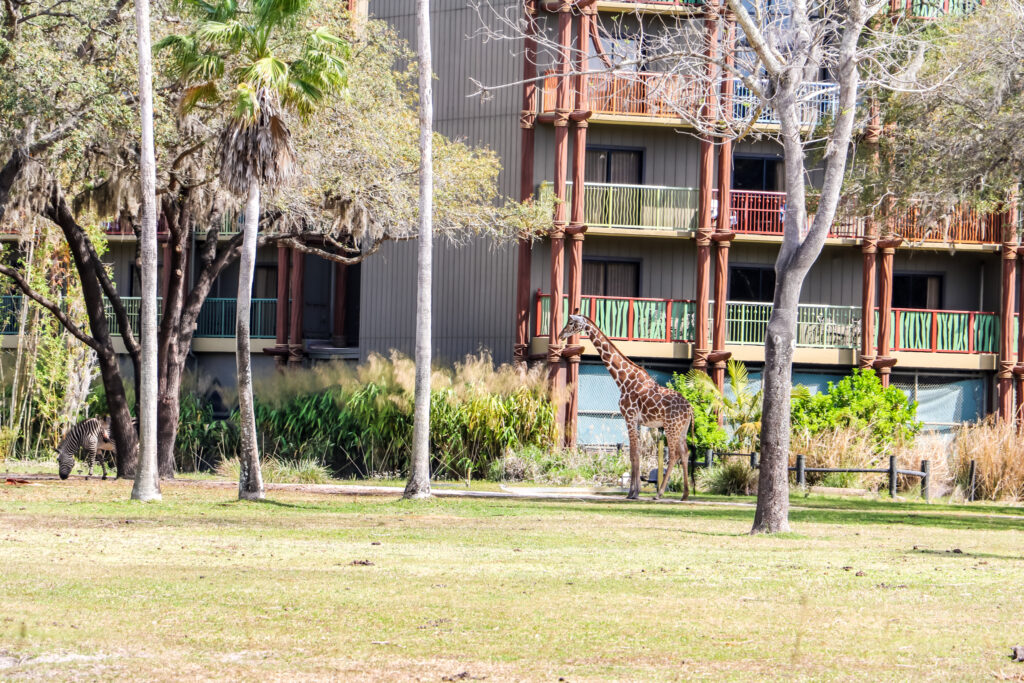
310, 586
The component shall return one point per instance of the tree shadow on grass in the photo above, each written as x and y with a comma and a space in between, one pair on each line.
966, 554
858, 517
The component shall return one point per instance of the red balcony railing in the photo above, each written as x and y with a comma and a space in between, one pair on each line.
627, 319
933, 9
818, 325
635, 94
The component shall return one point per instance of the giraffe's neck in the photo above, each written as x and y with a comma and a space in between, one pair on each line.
612, 358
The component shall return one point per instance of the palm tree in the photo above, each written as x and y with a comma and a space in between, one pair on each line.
742, 411
232, 47
147, 479
418, 485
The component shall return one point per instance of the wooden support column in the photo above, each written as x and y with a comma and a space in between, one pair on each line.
724, 235
704, 198
1018, 369
556, 365
577, 223
527, 123
281, 311
338, 312
869, 252
298, 270
165, 271
884, 362
1004, 374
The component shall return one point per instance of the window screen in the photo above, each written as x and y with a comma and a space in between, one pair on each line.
611, 278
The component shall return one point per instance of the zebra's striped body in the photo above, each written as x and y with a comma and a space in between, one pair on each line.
88, 435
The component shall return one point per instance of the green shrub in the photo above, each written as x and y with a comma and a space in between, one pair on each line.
706, 434
858, 402
731, 478
202, 440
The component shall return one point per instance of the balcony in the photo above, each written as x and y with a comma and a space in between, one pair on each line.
647, 207
216, 317
934, 9
818, 326
653, 207
672, 98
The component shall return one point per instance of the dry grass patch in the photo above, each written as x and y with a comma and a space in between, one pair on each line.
313, 587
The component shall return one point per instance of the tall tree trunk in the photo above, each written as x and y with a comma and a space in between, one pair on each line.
250, 479
147, 481
418, 485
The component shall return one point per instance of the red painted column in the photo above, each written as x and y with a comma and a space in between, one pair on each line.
883, 363
556, 366
298, 269
1007, 292
527, 122
338, 312
577, 223
704, 198
723, 237
281, 317
869, 252
165, 271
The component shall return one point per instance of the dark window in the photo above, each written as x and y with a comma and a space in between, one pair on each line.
264, 282
917, 290
620, 166
751, 283
755, 173
611, 278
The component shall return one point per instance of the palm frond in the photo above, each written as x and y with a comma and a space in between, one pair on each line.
198, 94
231, 34
268, 73
275, 12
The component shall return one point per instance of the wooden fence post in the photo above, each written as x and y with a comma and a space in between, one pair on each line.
972, 473
801, 474
926, 468
753, 461
892, 476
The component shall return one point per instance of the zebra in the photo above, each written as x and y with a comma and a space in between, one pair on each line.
89, 435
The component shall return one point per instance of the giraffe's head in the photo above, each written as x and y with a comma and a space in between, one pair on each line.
577, 324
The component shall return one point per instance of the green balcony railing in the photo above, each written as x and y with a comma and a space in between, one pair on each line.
628, 319
933, 9
818, 326
651, 207
10, 311
217, 318
944, 331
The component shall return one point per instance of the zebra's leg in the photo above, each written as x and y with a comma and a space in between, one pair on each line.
91, 459
103, 464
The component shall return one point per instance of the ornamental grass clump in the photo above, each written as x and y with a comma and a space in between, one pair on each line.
360, 419
997, 449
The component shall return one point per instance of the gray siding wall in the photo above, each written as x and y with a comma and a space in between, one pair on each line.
473, 300
474, 285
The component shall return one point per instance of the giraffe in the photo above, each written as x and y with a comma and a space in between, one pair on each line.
643, 403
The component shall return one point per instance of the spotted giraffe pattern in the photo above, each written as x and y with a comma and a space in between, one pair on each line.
643, 403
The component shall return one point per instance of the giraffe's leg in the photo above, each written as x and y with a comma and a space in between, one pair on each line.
673, 455
684, 459
633, 427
